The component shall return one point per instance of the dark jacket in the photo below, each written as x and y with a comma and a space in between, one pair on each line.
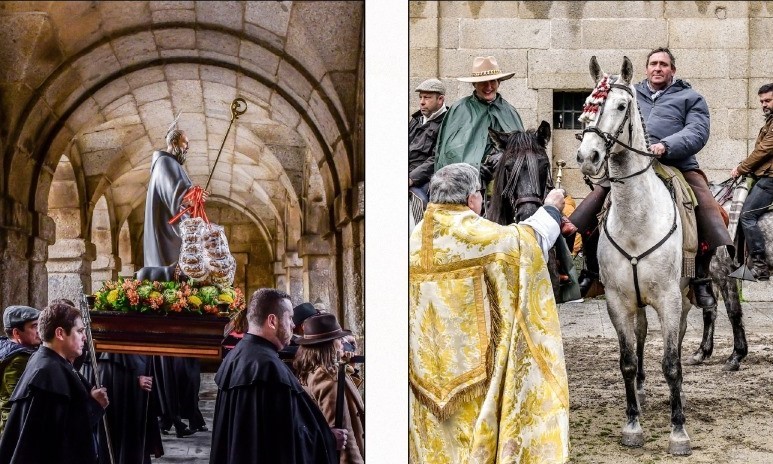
679, 118
262, 414
13, 360
421, 147
760, 161
53, 416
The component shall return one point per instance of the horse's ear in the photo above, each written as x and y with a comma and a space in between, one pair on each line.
499, 138
595, 70
626, 72
543, 133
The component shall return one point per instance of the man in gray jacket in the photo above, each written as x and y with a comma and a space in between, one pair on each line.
676, 118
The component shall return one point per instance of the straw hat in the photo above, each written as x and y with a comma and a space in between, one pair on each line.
486, 68
321, 328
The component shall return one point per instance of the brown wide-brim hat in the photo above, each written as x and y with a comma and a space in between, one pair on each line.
486, 68
321, 328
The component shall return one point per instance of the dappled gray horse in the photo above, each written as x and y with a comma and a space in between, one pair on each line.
640, 245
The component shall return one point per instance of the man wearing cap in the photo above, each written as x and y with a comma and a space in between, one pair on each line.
423, 131
21, 326
300, 313
463, 136
262, 413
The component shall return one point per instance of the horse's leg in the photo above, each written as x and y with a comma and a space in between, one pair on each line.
672, 318
641, 336
623, 317
729, 289
706, 347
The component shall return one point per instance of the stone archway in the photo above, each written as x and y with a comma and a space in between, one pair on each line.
101, 82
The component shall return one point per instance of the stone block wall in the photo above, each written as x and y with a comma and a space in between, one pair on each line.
722, 49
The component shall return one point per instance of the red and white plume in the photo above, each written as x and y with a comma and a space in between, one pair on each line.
590, 109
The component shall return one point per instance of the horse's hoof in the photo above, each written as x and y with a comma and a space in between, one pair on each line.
679, 442
697, 358
731, 365
633, 435
679, 447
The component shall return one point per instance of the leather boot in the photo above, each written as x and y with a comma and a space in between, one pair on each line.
759, 267
586, 280
704, 295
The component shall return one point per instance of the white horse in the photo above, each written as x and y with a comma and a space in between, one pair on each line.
640, 247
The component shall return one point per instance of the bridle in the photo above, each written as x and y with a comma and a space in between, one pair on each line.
512, 181
610, 140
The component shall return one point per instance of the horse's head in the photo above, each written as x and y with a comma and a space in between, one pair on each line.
607, 111
522, 176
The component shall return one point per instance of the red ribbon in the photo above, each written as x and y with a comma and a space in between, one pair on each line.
195, 199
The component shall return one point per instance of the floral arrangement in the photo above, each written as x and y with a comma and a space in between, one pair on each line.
130, 295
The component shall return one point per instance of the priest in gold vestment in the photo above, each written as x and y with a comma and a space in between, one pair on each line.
486, 363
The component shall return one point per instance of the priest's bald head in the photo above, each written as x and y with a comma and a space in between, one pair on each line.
177, 144
457, 183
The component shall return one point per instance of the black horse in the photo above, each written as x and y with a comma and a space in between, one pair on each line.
522, 179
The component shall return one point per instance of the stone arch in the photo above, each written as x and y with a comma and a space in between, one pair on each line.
107, 262
106, 79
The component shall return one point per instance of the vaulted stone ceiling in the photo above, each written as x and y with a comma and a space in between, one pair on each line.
100, 82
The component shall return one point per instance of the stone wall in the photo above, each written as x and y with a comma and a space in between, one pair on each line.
722, 49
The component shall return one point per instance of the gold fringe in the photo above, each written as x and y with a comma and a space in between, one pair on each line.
465, 395
496, 327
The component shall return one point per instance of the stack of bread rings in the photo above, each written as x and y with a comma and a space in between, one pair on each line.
222, 267
192, 260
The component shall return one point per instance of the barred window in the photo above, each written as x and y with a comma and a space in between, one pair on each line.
567, 107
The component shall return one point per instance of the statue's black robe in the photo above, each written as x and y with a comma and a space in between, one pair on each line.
263, 415
53, 417
131, 415
161, 247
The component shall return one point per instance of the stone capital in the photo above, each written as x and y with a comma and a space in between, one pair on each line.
72, 248
313, 245
342, 208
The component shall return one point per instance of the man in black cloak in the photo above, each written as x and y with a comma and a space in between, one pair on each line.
167, 186
54, 410
262, 414
131, 417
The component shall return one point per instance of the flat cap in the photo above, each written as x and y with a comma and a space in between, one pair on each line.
16, 316
302, 312
432, 85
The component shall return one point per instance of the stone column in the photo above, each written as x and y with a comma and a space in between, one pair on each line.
69, 267
318, 274
105, 267
294, 266
280, 276
38, 275
350, 221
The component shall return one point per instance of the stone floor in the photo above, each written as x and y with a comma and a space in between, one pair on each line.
193, 449
586, 319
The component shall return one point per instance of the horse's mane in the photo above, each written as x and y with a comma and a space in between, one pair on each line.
519, 144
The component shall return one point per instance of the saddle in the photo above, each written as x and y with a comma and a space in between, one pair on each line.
685, 202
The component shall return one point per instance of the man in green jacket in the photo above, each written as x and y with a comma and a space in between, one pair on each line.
463, 136
21, 326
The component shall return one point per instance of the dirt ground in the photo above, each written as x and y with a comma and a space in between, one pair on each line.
729, 414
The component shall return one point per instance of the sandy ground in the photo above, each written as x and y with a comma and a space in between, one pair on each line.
729, 415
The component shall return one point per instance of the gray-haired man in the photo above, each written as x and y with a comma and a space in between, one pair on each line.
423, 130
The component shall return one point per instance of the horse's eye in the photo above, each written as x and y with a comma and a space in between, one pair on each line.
621, 107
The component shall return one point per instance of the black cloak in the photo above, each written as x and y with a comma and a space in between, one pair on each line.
263, 415
132, 412
53, 416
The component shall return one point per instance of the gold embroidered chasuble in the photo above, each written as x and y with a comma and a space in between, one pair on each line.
486, 361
